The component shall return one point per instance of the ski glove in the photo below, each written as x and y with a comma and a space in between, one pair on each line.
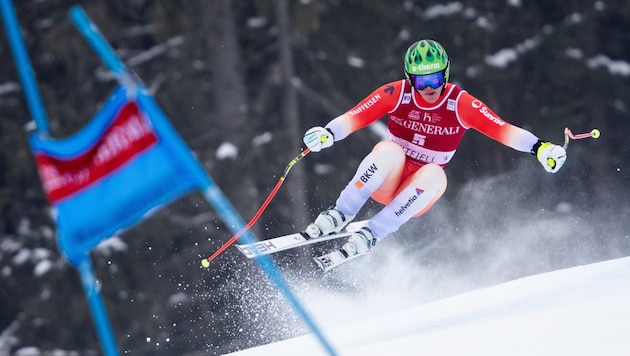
551, 156
318, 138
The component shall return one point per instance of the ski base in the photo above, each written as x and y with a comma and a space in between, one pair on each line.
334, 259
290, 241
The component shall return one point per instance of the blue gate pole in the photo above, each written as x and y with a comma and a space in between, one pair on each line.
97, 307
24, 67
92, 35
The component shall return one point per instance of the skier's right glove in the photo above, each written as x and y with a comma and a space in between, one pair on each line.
551, 156
318, 138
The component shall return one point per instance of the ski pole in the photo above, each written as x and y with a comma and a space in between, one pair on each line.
206, 261
594, 133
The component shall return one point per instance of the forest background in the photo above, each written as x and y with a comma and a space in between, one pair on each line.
241, 81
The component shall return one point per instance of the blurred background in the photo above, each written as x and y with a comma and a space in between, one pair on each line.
241, 81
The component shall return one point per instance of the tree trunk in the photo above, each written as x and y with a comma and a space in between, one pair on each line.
290, 112
229, 111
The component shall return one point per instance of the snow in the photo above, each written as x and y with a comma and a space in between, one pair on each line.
177, 298
155, 51
8, 88
42, 267
227, 150
620, 67
577, 311
355, 61
505, 56
256, 22
111, 245
262, 139
440, 10
23, 256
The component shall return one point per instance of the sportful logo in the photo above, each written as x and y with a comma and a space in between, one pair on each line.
422, 67
476, 104
410, 201
365, 177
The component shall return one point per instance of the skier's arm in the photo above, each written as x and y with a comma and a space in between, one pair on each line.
371, 108
473, 113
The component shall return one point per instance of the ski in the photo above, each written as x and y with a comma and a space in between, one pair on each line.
333, 259
290, 241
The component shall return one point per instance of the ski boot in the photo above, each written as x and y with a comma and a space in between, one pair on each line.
328, 222
359, 242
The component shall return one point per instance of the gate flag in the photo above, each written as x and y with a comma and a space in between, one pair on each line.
114, 172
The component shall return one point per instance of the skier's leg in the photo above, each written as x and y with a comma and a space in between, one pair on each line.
417, 195
381, 169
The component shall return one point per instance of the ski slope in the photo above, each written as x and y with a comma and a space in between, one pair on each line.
582, 310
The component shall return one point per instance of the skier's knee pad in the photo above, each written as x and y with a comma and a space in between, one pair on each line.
432, 180
430, 177
389, 155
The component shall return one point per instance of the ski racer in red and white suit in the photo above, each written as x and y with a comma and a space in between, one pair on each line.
405, 173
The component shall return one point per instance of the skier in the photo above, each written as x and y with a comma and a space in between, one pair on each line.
427, 118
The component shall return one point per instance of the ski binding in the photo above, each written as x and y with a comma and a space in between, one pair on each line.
333, 259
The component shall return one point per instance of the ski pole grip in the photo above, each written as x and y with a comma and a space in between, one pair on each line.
568, 135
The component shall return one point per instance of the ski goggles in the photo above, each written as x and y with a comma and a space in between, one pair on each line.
433, 80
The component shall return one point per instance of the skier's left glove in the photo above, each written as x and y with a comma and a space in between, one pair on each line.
318, 138
551, 156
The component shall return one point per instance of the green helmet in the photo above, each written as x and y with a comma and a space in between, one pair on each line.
426, 57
